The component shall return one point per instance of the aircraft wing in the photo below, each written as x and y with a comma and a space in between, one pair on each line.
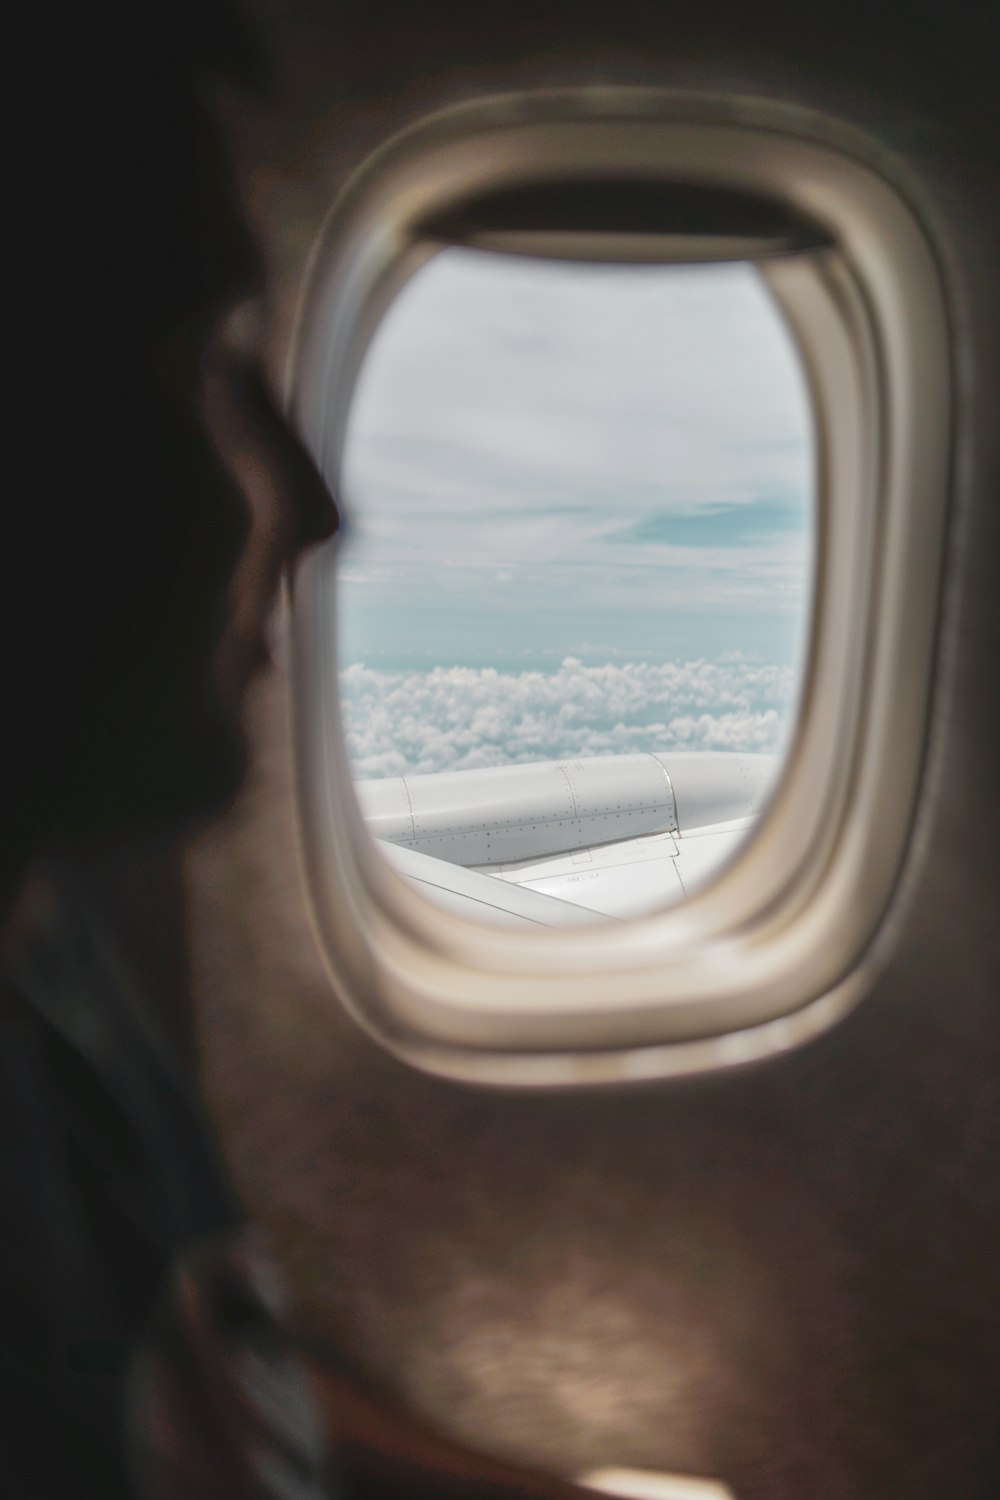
618, 835
483, 897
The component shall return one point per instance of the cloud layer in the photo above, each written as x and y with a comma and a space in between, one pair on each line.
460, 718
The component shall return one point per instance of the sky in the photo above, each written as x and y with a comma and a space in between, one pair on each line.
580, 515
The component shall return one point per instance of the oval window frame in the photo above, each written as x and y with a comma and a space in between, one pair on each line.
785, 939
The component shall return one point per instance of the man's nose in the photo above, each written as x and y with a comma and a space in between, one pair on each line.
316, 514
306, 511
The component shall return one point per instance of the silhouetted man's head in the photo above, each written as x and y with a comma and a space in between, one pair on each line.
169, 493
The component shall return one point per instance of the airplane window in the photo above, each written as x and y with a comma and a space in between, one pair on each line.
574, 601
640, 416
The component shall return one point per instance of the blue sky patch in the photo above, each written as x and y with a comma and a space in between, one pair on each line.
716, 526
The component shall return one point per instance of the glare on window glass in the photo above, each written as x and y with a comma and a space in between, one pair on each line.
574, 601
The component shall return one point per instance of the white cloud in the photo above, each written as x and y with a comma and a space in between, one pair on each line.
459, 718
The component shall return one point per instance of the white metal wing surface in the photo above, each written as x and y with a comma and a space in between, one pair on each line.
558, 842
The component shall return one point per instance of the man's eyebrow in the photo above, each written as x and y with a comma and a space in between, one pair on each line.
241, 327
232, 274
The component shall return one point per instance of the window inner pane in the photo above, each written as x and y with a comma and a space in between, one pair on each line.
581, 518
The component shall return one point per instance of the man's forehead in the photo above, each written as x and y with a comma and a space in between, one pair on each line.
232, 266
